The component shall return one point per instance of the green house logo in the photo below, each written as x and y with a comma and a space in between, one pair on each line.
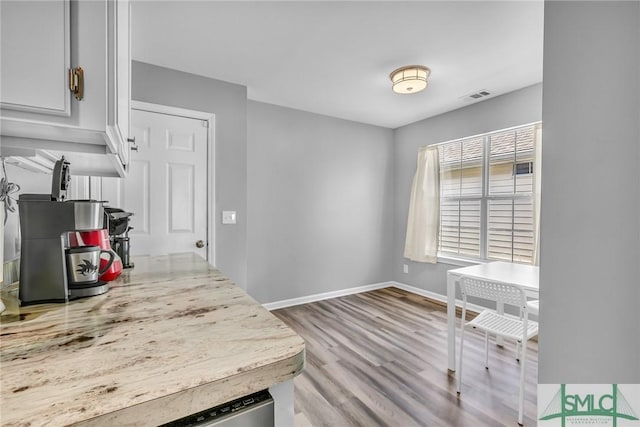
589, 408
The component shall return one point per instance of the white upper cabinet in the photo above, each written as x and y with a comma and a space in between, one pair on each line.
42, 41
45, 66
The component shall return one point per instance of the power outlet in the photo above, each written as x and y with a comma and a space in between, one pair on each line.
405, 268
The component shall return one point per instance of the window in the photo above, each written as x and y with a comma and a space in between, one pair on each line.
487, 196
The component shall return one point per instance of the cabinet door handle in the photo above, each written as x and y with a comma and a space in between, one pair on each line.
76, 82
134, 146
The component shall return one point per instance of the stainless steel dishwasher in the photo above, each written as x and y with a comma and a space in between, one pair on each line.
254, 410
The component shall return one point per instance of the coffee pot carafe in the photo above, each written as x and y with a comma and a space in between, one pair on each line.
122, 247
117, 222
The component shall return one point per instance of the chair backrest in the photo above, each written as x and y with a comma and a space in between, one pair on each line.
493, 291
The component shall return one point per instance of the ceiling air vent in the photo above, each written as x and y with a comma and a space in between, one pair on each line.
476, 95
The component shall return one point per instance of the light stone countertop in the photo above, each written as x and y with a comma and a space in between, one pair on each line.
172, 337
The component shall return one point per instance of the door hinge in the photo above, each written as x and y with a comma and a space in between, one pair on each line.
205, 124
133, 146
76, 82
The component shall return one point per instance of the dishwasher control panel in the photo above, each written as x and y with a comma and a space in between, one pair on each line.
217, 414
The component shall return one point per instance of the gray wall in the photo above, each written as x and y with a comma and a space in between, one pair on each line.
320, 194
590, 219
512, 109
229, 104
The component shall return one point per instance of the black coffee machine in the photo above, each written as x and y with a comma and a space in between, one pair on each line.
117, 222
45, 221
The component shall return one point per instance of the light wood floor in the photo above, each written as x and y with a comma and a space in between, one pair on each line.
380, 359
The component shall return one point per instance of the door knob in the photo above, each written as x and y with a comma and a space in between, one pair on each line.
199, 244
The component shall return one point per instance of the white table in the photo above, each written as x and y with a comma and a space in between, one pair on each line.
525, 276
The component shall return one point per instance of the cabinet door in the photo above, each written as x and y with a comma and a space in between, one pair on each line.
123, 47
41, 40
35, 52
119, 75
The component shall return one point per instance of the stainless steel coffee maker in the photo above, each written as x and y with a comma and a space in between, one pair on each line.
45, 220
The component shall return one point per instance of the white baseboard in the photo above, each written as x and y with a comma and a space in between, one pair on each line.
436, 296
359, 289
325, 295
422, 292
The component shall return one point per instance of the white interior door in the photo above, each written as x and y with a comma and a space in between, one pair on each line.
166, 187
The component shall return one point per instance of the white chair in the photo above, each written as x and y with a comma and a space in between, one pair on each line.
492, 323
534, 308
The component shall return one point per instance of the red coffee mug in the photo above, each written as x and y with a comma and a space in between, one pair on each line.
99, 238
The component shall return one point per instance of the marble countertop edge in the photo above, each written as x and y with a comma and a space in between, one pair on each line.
202, 397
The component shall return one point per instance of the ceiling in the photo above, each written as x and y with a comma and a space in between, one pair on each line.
334, 57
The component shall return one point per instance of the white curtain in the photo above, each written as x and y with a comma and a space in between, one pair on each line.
537, 175
423, 223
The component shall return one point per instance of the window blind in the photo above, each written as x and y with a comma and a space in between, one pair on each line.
486, 206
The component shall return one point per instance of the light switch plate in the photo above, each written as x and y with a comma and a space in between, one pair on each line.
228, 217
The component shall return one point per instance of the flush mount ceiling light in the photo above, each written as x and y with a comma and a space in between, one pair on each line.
410, 79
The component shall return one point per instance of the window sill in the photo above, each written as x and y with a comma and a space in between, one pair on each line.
466, 262
459, 262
